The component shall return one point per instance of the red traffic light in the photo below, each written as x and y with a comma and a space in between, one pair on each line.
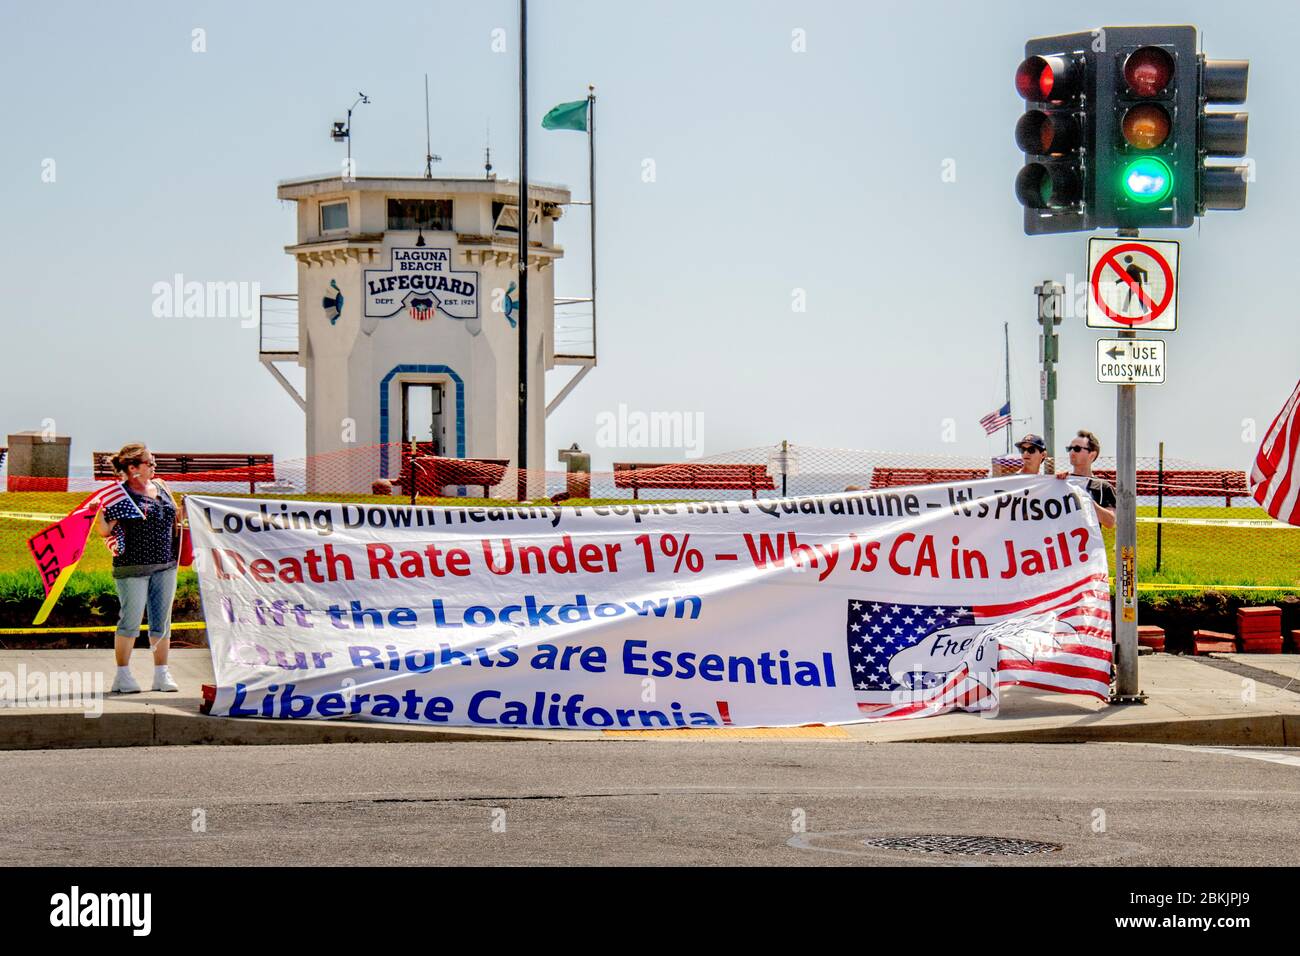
1148, 70
1146, 126
1042, 134
1050, 78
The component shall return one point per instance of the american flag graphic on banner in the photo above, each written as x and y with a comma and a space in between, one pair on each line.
996, 421
1275, 479
912, 660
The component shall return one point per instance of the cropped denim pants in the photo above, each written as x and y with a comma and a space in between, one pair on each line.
153, 593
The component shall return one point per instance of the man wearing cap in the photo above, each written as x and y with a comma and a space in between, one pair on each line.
1032, 452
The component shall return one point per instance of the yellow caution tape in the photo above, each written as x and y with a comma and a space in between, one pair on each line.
31, 516
183, 626
1264, 523
1216, 587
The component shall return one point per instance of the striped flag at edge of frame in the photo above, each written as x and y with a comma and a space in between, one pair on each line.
1275, 479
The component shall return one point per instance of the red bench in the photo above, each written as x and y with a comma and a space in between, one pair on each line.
901, 477
200, 467
433, 473
692, 476
1188, 483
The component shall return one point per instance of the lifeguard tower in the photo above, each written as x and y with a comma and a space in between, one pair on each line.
406, 323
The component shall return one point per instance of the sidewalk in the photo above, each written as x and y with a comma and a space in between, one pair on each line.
1223, 702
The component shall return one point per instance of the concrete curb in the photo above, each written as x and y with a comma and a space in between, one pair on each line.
155, 727
1254, 730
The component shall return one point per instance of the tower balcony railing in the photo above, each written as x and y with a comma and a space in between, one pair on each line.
277, 335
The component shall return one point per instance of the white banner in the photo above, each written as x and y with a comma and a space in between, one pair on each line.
833, 609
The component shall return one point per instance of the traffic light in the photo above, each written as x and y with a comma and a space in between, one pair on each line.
1054, 80
1222, 134
1147, 117
1121, 142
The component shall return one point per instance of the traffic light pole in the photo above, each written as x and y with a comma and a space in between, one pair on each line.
1124, 618
1049, 316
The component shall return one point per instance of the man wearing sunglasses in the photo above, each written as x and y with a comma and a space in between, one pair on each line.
1084, 449
1032, 452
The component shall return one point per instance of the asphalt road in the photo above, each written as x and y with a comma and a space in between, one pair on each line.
637, 803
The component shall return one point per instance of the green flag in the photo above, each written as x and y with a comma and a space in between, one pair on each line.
567, 116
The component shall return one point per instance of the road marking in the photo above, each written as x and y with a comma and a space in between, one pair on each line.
779, 733
1290, 758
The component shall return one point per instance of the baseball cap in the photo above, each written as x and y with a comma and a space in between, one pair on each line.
1034, 440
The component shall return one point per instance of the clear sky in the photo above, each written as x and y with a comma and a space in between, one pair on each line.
775, 171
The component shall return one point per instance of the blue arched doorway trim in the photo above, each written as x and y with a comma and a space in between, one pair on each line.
383, 407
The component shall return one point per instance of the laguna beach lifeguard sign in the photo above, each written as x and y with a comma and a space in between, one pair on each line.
422, 283
405, 326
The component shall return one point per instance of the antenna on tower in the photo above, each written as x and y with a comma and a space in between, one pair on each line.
429, 158
487, 150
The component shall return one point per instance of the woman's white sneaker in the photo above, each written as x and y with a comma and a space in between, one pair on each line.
162, 680
124, 683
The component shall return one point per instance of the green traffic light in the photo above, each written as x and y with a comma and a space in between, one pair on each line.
1147, 180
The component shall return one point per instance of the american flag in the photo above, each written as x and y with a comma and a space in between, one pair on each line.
1059, 641
1275, 479
117, 504
996, 421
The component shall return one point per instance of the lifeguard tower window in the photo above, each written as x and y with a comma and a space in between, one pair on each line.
333, 215
505, 217
431, 214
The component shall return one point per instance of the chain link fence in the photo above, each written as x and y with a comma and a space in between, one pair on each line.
1197, 526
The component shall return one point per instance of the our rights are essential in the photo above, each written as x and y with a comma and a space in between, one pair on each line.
772, 612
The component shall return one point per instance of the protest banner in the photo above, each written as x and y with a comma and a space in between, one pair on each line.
829, 609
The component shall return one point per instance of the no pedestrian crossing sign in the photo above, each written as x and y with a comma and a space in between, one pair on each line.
1131, 361
1133, 284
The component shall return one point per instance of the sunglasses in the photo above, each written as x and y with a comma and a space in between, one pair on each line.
1078, 448
1032, 451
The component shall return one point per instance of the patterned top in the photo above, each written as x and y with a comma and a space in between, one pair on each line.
144, 546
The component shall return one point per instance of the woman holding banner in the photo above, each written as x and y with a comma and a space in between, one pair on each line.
138, 522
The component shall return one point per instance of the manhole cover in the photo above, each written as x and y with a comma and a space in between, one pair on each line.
951, 845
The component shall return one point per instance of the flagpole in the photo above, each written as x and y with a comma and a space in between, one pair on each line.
1006, 343
522, 452
591, 194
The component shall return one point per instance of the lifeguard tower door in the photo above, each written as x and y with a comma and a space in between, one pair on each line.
422, 417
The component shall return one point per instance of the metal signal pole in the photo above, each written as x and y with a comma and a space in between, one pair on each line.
1049, 316
1124, 621
522, 454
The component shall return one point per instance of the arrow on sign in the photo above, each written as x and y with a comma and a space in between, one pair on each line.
1116, 352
